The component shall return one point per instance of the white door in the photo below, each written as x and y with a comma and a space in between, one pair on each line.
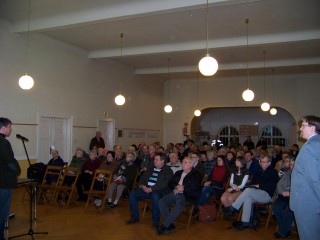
107, 128
54, 133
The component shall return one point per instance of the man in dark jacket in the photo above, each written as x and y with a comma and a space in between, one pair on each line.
262, 189
186, 186
152, 185
9, 171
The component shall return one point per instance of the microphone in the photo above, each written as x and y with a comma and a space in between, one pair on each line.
22, 138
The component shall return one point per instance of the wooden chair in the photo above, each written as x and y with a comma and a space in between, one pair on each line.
45, 189
66, 187
102, 175
185, 217
219, 211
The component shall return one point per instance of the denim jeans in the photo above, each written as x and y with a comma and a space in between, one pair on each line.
206, 192
139, 194
165, 203
283, 215
5, 200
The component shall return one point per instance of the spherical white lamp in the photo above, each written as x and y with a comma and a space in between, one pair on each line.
168, 108
273, 111
265, 106
120, 100
26, 82
248, 95
197, 113
208, 65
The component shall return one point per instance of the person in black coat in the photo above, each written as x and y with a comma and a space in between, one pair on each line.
186, 188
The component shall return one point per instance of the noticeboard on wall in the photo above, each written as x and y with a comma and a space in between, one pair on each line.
248, 130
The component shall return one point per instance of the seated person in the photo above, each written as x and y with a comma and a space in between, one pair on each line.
262, 189
153, 185
174, 162
210, 163
101, 154
56, 160
216, 183
124, 177
186, 186
231, 161
252, 164
195, 156
108, 164
280, 206
85, 178
78, 159
284, 165
237, 183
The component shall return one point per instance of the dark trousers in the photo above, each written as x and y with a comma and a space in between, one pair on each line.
139, 194
283, 215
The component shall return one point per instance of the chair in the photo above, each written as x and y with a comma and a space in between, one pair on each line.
46, 189
66, 187
94, 193
219, 200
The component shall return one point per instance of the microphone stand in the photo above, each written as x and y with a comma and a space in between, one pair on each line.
33, 199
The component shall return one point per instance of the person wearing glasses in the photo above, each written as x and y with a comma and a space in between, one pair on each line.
262, 188
186, 188
305, 181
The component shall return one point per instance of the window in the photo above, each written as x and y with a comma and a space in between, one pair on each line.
273, 136
229, 136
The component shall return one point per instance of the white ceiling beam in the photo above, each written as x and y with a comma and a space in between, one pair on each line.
233, 66
283, 38
122, 10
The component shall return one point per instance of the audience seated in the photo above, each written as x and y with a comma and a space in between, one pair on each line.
186, 187
249, 143
152, 185
85, 178
231, 160
262, 189
210, 163
123, 177
294, 150
78, 159
238, 181
148, 160
280, 206
276, 155
101, 154
216, 183
195, 156
252, 164
174, 162
56, 160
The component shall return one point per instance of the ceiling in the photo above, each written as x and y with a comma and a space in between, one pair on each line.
155, 30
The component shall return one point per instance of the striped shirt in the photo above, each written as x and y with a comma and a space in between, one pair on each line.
154, 177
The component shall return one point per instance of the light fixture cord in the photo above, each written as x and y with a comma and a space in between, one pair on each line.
273, 86
264, 75
197, 89
28, 33
121, 42
168, 79
247, 23
207, 28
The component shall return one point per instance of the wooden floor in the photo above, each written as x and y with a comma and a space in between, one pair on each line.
76, 223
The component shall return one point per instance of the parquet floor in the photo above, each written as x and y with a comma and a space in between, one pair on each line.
77, 223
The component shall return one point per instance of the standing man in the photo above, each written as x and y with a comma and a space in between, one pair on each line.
9, 170
305, 181
97, 141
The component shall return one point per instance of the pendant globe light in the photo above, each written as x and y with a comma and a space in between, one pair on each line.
273, 110
26, 82
265, 106
248, 95
208, 66
197, 112
168, 107
120, 99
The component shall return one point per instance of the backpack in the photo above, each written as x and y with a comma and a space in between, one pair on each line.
208, 213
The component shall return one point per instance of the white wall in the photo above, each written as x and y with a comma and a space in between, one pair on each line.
67, 83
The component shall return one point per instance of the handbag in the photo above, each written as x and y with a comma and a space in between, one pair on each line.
208, 213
